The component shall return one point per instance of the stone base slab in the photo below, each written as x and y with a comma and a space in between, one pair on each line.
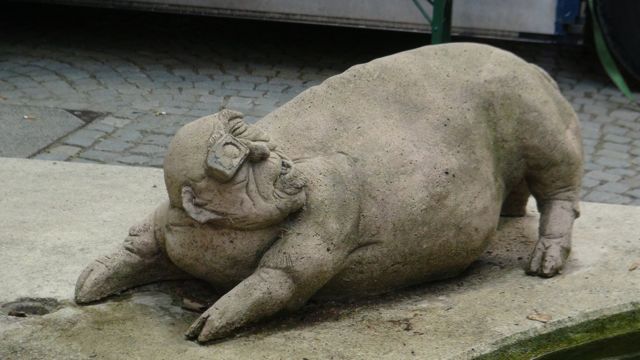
56, 217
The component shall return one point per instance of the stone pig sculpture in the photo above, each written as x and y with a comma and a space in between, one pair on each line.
392, 173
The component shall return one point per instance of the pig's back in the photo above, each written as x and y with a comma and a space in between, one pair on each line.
435, 133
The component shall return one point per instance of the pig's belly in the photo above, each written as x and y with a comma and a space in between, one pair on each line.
411, 247
222, 257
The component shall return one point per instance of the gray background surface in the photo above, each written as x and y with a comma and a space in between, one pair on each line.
24, 135
147, 74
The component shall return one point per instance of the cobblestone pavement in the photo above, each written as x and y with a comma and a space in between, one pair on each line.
144, 75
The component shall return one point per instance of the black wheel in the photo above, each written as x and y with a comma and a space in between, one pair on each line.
620, 22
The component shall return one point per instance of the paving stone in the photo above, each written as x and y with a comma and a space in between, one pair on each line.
250, 93
625, 114
99, 126
590, 142
83, 137
239, 85
588, 153
617, 139
59, 153
225, 92
155, 139
115, 122
253, 79
133, 160
25, 129
624, 148
127, 134
86, 161
633, 181
239, 101
632, 125
97, 155
619, 99
176, 110
606, 197
272, 87
589, 182
207, 84
156, 162
613, 187
148, 149
634, 193
166, 130
600, 175
611, 162
607, 153
622, 172
589, 108
284, 81
577, 107
197, 113
613, 129
112, 145
602, 119
610, 90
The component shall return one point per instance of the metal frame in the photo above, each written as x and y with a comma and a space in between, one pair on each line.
441, 22
441, 25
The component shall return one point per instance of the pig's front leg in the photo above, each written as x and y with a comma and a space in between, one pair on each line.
307, 255
140, 260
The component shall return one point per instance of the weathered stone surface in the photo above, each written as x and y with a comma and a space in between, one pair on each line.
41, 203
56, 217
28, 129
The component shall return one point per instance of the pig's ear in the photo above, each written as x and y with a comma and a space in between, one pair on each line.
234, 124
227, 115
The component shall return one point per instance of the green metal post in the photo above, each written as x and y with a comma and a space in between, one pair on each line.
441, 25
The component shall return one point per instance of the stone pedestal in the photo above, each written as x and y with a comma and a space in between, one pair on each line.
56, 217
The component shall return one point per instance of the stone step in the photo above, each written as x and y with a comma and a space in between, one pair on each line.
55, 217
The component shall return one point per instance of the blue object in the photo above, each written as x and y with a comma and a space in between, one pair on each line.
567, 12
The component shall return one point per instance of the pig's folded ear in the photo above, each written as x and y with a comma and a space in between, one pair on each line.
227, 115
255, 139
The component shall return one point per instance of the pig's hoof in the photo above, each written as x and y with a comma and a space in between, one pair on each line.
110, 274
548, 257
89, 287
206, 328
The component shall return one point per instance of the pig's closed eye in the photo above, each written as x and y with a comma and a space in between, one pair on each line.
285, 167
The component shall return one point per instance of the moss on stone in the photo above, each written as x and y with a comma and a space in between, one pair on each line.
568, 337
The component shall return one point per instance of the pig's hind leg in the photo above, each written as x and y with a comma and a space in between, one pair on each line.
555, 181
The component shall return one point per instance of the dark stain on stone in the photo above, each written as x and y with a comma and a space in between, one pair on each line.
86, 116
24, 307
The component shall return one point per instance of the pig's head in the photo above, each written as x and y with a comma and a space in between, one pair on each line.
224, 172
